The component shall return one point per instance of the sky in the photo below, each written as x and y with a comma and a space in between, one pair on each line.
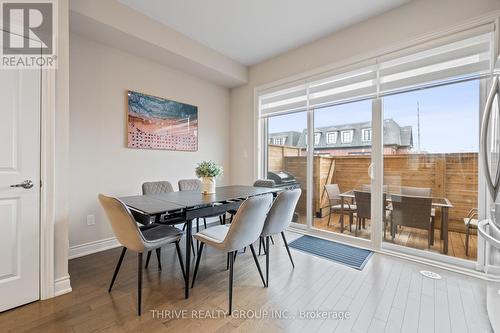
449, 116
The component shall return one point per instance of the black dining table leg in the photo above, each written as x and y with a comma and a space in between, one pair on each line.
189, 225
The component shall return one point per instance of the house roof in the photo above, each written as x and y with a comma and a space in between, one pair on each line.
394, 135
292, 137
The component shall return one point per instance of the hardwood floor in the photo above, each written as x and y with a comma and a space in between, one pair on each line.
409, 237
388, 295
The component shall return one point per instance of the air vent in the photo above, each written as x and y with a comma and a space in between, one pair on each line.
431, 275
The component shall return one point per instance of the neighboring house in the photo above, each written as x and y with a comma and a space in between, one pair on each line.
290, 138
356, 139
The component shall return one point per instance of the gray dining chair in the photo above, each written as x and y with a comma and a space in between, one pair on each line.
132, 238
335, 203
159, 187
412, 212
258, 183
196, 185
244, 231
278, 219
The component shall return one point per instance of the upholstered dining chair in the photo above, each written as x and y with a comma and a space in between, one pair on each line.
132, 238
335, 203
244, 231
278, 219
195, 185
159, 187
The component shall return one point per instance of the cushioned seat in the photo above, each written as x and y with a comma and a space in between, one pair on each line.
473, 222
213, 236
346, 207
160, 235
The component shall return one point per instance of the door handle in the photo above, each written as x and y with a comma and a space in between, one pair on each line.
27, 184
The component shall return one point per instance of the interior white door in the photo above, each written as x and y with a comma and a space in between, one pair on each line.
19, 186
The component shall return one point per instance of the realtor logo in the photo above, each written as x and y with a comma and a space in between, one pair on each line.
28, 34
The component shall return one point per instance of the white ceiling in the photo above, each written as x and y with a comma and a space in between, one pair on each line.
255, 30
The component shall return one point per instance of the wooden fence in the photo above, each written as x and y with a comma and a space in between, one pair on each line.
453, 176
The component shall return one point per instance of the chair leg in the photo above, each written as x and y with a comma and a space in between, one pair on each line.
205, 222
235, 254
433, 227
272, 240
329, 217
429, 231
467, 233
287, 248
139, 283
158, 256
179, 255
117, 269
220, 219
257, 264
356, 227
192, 246
227, 261
147, 259
200, 250
184, 227
231, 267
197, 230
267, 249
261, 244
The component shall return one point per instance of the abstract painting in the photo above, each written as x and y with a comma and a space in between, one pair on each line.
159, 123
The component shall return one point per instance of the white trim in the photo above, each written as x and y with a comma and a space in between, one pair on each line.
93, 247
47, 177
62, 286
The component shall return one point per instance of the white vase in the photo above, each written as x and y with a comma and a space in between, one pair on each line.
208, 185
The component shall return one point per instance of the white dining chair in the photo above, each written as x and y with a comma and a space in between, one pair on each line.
243, 231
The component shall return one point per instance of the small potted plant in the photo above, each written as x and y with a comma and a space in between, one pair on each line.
208, 171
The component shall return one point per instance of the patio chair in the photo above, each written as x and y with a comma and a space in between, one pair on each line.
420, 192
364, 210
335, 202
471, 221
412, 212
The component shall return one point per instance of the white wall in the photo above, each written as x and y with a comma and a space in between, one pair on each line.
409, 21
99, 159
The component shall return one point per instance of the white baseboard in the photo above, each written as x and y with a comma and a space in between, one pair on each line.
62, 286
92, 247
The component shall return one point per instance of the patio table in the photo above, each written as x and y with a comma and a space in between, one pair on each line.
437, 202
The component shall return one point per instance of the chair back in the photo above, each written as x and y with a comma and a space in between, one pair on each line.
333, 193
123, 224
157, 187
364, 204
190, 185
416, 191
281, 213
414, 212
248, 222
264, 183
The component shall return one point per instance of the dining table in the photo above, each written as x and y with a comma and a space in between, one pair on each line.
437, 202
186, 206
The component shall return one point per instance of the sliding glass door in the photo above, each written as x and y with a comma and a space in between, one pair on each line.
431, 149
341, 164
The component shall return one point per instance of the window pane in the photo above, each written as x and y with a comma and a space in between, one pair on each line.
287, 155
341, 166
431, 146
